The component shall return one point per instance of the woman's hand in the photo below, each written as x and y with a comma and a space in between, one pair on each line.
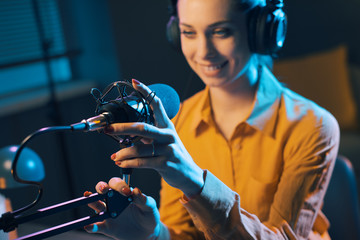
140, 220
161, 150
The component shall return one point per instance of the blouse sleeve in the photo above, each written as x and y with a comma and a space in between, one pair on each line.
175, 216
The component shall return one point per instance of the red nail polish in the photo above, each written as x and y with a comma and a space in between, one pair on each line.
118, 163
87, 193
113, 156
136, 82
126, 191
108, 129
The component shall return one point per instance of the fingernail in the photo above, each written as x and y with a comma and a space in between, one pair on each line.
139, 191
87, 193
101, 187
118, 163
108, 129
113, 156
126, 191
136, 82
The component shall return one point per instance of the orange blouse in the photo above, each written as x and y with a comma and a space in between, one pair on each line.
268, 181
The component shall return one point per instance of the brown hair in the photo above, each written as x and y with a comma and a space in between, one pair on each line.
241, 5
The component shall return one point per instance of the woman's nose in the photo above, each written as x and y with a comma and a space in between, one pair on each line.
205, 48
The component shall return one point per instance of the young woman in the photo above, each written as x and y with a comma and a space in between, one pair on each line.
249, 158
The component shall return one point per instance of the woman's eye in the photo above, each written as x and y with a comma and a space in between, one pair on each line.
188, 33
221, 32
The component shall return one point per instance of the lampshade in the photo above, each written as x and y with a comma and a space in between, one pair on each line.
29, 167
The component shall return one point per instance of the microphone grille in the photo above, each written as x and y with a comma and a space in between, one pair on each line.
169, 98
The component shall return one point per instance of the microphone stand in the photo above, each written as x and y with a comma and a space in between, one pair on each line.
115, 204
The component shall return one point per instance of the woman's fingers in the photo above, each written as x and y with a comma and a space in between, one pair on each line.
141, 129
159, 111
152, 163
142, 156
138, 151
138, 198
98, 206
102, 187
119, 185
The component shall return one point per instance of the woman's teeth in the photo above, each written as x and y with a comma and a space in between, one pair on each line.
212, 68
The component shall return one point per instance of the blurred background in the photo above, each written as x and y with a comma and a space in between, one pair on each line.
52, 52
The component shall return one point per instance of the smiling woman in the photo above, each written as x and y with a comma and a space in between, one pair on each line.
246, 157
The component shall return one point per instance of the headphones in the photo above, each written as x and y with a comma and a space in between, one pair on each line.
266, 27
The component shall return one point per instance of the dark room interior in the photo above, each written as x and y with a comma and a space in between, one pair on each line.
111, 40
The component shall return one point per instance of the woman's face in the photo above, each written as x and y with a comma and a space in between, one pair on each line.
214, 40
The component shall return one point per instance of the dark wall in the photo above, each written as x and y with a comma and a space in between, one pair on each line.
320, 25
144, 53
88, 30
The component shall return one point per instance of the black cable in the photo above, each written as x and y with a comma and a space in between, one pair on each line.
17, 155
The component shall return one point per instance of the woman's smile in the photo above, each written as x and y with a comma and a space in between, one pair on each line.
214, 41
212, 69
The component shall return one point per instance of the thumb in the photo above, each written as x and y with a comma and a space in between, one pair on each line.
156, 104
139, 199
143, 202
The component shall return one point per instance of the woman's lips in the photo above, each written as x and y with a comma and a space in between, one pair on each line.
212, 70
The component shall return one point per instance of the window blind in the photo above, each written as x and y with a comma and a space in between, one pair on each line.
20, 36
25, 25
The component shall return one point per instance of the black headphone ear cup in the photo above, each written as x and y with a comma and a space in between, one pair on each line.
277, 31
173, 33
252, 22
263, 30
266, 29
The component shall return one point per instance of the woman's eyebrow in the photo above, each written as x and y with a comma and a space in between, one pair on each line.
186, 25
220, 23
211, 25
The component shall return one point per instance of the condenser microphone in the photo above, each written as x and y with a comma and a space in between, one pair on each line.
131, 107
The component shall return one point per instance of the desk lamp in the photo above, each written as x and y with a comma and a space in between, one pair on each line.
29, 167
